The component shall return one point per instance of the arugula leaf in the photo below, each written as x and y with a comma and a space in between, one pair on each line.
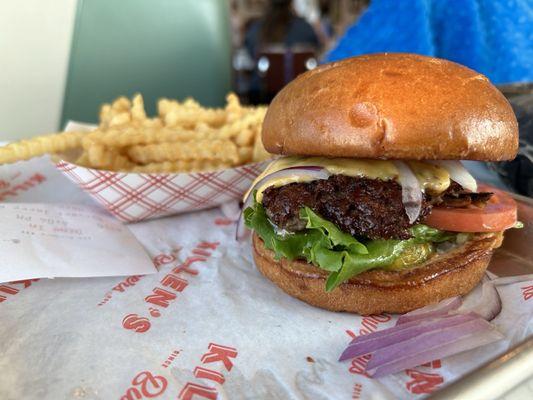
329, 248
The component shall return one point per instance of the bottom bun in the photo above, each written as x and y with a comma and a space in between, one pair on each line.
453, 273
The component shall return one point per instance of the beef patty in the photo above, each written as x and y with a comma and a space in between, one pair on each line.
362, 207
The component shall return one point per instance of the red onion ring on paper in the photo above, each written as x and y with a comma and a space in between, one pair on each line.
315, 172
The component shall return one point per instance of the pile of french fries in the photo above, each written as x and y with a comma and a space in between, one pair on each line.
183, 137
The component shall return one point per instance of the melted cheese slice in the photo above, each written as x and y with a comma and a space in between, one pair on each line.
432, 178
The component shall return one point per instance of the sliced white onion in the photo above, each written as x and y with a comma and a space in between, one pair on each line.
314, 172
488, 305
434, 344
458, 173
431, 311
411, 191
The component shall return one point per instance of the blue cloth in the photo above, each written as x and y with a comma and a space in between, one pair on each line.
494, 37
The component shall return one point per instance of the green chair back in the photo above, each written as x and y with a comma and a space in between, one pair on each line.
160, 48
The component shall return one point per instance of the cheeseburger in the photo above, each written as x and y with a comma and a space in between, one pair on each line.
368, 208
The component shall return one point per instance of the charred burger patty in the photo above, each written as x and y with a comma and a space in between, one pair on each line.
362, 207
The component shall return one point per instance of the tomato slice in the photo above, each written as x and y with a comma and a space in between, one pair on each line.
499, 214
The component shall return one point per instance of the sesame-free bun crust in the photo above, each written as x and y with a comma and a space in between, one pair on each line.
392, 105
453, 273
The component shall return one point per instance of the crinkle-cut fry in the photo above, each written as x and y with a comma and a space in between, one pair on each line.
117, 112
121, 103
181, 166
40, 145
246, 137
153, 123
189, 118
220, 150
122, 111
133, 135
164, 105
106, 113
138, 113
189, 113
83, 159
189, 102
121, 163
120, 119
100, 156
245, 154
233, 108
249, 120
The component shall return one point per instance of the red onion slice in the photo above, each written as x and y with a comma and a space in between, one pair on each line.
411, 191
429, 333
378, 340
458, 173
489, 305
314, 172
431, 311
432, 345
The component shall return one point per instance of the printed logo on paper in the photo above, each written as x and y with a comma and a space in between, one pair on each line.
145, 385
368, 325
220, 356
9, 188
131, 281
13, 288
170, 286
527, 292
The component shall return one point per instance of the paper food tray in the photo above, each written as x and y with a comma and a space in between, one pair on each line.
134, 197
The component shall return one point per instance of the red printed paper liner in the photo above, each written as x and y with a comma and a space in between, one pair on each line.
133, 197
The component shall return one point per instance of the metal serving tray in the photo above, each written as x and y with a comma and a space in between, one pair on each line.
500, 375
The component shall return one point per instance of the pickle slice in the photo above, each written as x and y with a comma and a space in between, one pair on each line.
412, 256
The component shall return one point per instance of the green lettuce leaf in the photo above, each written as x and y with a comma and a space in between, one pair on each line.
424, 233
289, 246
329, 230
327, 247
380, 254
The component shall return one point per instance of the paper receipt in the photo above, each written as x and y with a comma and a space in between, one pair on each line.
57, 240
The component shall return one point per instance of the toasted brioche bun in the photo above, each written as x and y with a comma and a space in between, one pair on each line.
450, 274
392, 105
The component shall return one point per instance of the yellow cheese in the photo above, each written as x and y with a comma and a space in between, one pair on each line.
432, 178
